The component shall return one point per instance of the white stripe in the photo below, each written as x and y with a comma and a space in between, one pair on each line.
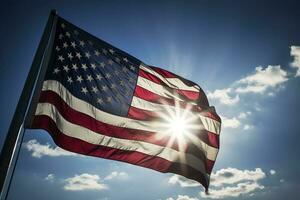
156, 88
175, 83
209, 124
86, 108
82, 133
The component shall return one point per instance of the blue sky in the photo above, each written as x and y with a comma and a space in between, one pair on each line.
244, 54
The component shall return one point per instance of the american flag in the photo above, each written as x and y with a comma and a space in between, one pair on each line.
99, 101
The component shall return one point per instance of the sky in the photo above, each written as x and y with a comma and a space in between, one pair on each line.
244, 54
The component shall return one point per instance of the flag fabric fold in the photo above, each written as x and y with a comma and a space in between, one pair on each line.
97, 100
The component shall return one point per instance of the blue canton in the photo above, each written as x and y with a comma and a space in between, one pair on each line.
93, 70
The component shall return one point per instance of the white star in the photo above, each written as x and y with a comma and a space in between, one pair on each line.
61, 58
122, 82
93, 65
107, 75
131, 80
73, 44
70, 80
66, 68
87, 54
74, 66
70, 56
76, 32
97, 53
104, 51
84, 90
57, 48
104, 88
79, 79
95, 89
111, 51
89, 78
100, 101
127, 93
68, 34
78, 55
81, 43
65, 45
63, 25
56, 70
117, 72
118, 60
90, 42
113, 86
132, 67
109, 99
99, 77
110, 62
125, 59
102, 64
84, 67
124, 69
61, 36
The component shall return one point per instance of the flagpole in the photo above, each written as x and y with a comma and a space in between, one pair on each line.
13, 140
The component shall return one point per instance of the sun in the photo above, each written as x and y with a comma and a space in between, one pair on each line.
179, 124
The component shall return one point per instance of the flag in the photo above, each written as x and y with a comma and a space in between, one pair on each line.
98, 100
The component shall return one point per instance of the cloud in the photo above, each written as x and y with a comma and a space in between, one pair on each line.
225, 183
182, 181
182, 197
84, 182
232, 182
116, 175
230, 123
223, 96
50, 177
233, 175
262, 79
39, 150
233, 191
272, 172
295, 52
248, 127
244, 115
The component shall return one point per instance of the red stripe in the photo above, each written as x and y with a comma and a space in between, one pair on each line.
132, 157
207, 137
202, 100
189, 95
155, 98
88, 122
164, 73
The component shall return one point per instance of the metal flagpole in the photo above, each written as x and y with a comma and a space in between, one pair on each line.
13, 140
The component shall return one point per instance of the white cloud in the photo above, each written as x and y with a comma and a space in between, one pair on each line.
244, 115
182, 197
50, 177
182, 181
116, 175
272, 172
230, 123
248, 127
295, 52
281, 180
39, 150
84, 182
262, 79
224, 183
233, 191
233, 175
223, 96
